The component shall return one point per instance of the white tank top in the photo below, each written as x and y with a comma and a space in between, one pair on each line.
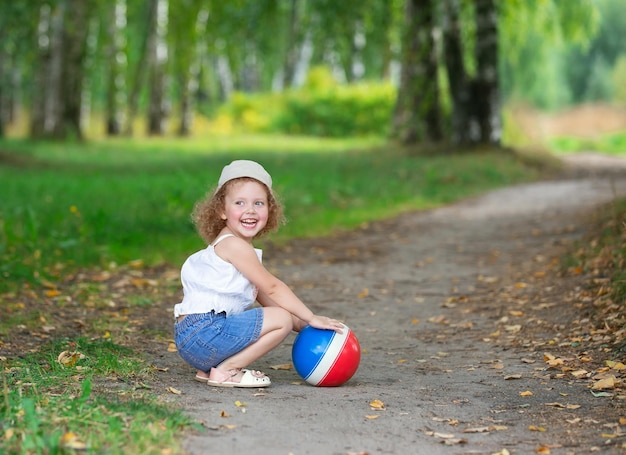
212, 284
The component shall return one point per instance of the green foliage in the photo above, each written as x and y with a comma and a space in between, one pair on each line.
619, 80
51, 408
541, 40
322, 107
113, 201
612, 144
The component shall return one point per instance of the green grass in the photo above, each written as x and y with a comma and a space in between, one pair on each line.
76, 205
51, 408
611, 144
69, 205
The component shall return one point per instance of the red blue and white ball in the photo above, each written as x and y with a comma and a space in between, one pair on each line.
325, 358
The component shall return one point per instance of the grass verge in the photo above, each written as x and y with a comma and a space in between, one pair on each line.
115, 202
115, 205
50, 404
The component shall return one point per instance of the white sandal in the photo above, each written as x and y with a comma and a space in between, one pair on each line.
250, 378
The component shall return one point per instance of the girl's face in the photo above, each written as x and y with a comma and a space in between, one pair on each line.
246, 208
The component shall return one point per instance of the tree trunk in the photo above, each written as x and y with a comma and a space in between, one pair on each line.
486, 88
47, 72
387, 53
140, 68
458, 79
74, 45
114, 114
157, 107
189, 83
417, 115
476, 103
291, 55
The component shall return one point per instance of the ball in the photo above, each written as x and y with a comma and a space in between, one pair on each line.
325, 358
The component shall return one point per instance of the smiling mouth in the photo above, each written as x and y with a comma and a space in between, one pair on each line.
249, 223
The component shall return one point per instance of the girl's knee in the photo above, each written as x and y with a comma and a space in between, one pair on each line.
278, 318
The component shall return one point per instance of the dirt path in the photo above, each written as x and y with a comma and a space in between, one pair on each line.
454, 309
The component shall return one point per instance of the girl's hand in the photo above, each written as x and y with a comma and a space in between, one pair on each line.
322, 322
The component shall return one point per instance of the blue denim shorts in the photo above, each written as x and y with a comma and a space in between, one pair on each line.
205, 340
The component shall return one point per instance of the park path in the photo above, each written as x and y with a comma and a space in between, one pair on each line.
425, 294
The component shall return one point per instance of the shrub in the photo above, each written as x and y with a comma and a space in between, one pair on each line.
321, 107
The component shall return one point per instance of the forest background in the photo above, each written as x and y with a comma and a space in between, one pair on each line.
114, 115
415, 71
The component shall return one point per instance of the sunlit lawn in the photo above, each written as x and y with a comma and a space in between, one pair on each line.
68, 205
611, 144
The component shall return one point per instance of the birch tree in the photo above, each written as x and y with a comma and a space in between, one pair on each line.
417, 115
116, 64
158, 104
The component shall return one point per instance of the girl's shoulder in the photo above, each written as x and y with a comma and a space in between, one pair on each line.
220, 238
231, 246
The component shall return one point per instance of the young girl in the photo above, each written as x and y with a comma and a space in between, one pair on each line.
215, 331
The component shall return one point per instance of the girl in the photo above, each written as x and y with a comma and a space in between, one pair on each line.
215, 331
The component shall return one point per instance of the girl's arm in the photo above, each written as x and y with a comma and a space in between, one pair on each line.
242, 255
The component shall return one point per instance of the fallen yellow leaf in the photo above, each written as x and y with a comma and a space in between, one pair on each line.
476, 430
372, 417
284, 366
174, 391
377, 404
69, 358
443, 435
71, 441
527, 393
579, 373
512, 376
606, 383
615, 365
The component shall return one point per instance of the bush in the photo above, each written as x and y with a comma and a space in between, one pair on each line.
356, 110
320, 108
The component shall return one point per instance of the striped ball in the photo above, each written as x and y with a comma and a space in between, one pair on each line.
325, 358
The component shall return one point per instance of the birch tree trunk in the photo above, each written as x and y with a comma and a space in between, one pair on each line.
74, 44
293, 46
417, 116
141, 67
116, 59
190, 75
476, 100
47, 72
487, 93
458, 79
157, 107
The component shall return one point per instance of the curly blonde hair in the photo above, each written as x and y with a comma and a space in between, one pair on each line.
206, 215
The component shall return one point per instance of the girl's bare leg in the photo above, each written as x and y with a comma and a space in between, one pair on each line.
277, 324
